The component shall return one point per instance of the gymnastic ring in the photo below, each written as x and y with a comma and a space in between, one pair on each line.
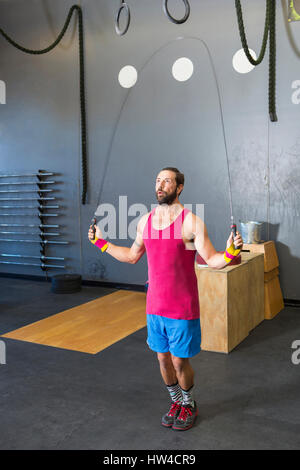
117, 20
174, 20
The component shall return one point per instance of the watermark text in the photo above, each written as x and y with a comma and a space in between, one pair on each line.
114, 223
2, 92
296, 354
2, 352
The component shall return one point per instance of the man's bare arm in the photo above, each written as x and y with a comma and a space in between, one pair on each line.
128, 255
133, 254
204, 245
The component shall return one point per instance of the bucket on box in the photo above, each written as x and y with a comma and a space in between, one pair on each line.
251, 231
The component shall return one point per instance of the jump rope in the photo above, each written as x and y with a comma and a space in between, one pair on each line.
233, 227
269, 30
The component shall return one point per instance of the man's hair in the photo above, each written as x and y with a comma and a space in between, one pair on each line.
179, 177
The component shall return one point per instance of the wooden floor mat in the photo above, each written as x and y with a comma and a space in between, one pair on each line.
90, 327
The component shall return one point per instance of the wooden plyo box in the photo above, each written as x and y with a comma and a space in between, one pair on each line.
256, 288
272, 291
268, 249
273, 295
226, 311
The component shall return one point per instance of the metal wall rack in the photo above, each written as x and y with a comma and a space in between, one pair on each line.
40, 187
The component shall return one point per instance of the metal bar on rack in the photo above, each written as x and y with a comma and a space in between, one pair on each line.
48, 234
27, 182
30, 225
29, 207
43, 234
46, 242
33, 264
47, 215
27, 191
27, 198
32, 256
30, 215
31, 174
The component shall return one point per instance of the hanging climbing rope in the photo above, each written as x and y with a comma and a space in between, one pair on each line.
269, 30
82, 87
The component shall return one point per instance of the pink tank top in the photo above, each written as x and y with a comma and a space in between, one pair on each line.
172, 290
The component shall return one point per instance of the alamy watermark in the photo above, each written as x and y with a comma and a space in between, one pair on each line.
2, 92
296, 93
128, 229
2, 352
296, 354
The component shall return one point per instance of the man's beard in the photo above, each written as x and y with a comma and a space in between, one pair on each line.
168, 198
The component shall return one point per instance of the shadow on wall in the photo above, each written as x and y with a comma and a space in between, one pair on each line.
293, 262
270, 231
288, 264
96, 270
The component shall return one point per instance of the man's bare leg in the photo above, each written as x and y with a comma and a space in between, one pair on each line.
184, 372
169, 377
166, 368
178, 376
175, 369
189, 411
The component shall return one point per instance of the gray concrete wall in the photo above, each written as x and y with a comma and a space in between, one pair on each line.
133, 133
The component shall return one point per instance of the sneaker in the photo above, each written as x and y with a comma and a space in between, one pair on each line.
169, 418
186, 417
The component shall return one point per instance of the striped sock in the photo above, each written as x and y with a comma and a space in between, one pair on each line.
187, 395
175, 392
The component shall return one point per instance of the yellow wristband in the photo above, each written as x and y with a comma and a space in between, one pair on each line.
231, 253
100, 243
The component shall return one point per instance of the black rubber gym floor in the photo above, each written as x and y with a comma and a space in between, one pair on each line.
53, 398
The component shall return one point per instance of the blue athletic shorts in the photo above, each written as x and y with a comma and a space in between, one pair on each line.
181, 337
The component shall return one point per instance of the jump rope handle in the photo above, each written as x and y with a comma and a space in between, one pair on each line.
93, 223
233, 229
